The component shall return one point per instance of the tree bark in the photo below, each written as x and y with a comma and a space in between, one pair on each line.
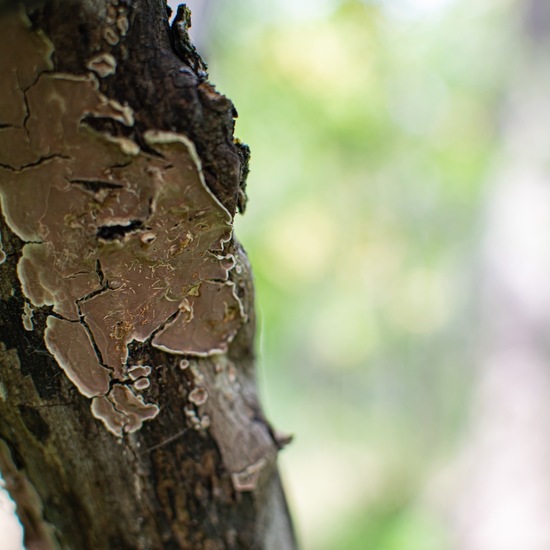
129, 415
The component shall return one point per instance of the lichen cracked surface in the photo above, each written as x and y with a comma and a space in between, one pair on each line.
124, 245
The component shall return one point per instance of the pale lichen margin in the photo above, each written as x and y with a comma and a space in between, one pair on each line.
2, 253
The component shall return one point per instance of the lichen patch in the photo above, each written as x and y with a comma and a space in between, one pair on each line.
139, 371
123, 245
141, 384
104, 410
73, 350
36, 50
207, 323
132, 406
46, 279
198, 396
103, 65
247, 479
117, 23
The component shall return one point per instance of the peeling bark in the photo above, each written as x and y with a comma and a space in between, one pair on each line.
129, 410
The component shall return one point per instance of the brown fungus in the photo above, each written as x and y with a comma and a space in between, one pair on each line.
103, 65
121, 411
72, 348
122, 24
183, 364
198, 396
141, 384
113, 420
247, 479
110, 35
88, 229
132, 406
139, 371
36, 51
216, 317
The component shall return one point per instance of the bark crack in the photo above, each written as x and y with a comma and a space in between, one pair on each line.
167, 441
34, 164
118, 232
95, 185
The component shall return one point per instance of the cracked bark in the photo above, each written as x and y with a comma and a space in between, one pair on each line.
174, 451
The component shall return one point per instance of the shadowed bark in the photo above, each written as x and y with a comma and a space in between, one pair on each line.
129, 415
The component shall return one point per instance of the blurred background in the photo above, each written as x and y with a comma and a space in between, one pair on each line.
399, 229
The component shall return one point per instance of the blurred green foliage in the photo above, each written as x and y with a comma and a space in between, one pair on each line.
372, 127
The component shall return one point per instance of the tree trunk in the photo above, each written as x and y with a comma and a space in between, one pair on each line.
129, 412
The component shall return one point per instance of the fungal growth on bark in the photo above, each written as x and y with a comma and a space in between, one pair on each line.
127, 325
125, 242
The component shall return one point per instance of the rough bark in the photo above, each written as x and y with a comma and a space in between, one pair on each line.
129, 415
